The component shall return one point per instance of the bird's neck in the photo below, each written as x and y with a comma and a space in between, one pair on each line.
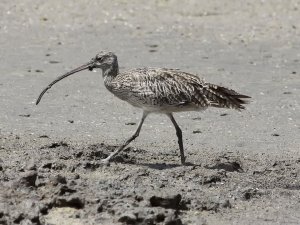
111, 72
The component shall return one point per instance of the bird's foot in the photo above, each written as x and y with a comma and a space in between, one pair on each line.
183, 161
105, 162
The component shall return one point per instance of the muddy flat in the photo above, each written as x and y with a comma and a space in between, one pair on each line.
243, 167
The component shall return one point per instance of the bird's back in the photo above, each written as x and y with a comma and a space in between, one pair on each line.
171, 90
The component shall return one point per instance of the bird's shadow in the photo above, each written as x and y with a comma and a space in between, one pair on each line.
164, 166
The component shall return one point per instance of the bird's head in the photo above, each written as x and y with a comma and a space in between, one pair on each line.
107, 61
103, 60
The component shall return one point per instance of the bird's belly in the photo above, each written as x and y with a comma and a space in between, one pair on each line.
156, 104
162, 107
170, 109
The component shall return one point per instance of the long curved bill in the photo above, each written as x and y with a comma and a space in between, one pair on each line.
89, 66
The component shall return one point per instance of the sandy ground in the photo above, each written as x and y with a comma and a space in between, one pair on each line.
244, 166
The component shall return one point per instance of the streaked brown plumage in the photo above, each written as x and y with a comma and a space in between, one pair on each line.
158, 90
168, 90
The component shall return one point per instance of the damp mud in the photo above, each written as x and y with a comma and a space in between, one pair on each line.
65, 183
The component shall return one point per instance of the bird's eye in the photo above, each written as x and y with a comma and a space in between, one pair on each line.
100, 58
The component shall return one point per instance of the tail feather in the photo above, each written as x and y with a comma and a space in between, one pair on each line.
222, 97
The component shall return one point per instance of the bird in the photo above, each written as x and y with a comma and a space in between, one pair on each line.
157, 90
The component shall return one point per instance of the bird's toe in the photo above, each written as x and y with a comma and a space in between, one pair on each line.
105, 162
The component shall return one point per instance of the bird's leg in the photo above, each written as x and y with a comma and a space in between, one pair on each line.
134, 136
179, 136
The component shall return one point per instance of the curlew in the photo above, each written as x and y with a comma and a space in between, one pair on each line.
158, 90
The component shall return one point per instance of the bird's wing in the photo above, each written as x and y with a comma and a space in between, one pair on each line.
163, 86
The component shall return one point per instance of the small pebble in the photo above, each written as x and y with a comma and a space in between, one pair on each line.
196, 132
130, 123
24, 115
53, 61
